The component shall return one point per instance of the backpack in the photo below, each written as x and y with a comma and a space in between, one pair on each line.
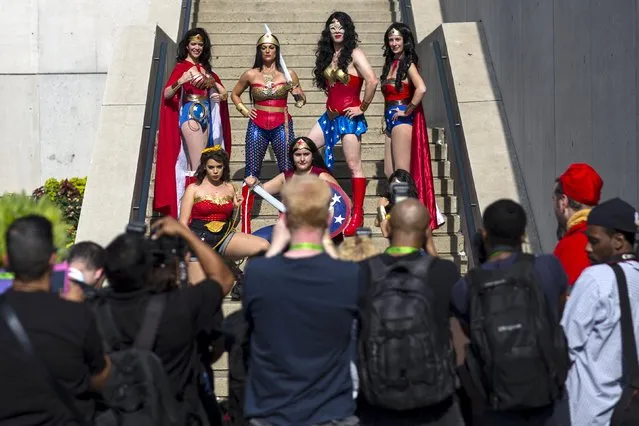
517, 355
137, 391
405, 358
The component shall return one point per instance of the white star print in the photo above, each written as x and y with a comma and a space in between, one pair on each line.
336, 199
339, 219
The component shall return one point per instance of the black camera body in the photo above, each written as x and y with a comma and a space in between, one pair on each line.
164, 250
399, 192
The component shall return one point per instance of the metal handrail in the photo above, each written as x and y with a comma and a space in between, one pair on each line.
406, 11
464, 179
139, 212
186, 17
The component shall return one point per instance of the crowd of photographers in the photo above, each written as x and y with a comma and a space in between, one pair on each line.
393, 338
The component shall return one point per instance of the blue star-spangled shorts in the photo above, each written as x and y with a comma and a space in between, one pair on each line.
336, 128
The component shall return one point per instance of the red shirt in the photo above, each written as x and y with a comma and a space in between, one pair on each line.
571, 251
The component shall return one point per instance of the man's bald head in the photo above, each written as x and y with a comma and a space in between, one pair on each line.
409, 217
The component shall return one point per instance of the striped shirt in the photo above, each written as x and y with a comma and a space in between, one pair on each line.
591, 322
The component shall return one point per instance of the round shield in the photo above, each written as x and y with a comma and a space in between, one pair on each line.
340, 210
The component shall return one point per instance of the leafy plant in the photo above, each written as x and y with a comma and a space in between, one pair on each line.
15, 206
67, 194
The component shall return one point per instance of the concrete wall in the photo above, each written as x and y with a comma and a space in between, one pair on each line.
55, 56
568, 73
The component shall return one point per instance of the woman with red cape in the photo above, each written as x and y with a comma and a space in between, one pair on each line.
193, 116
406, 145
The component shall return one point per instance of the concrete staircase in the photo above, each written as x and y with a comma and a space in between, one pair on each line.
234, 28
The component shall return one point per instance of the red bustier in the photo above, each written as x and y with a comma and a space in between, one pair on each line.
391, 93
314, 171
212, 209
342, 96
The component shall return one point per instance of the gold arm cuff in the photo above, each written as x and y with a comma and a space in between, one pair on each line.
364, 106
242, 109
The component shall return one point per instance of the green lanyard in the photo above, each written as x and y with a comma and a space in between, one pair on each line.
306, 246
401, 250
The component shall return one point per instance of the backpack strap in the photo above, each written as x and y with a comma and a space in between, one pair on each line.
152, 316
628, 342
106, 325
16, 328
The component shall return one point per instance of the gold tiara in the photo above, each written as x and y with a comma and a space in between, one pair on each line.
196, 37
301, 144
212, 149
394, 32
268, 38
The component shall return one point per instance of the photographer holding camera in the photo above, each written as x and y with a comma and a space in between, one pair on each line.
137, 271
401, 187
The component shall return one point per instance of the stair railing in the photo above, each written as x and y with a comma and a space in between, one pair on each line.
151, 123
464, 182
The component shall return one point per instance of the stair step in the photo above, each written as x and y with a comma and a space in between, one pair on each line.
451, 225
294, 62
296, 14
233, 50
317, 7
248, 39
309, 110
372, 136
369, 152
442, 186
371, 168
447, 205
315, 26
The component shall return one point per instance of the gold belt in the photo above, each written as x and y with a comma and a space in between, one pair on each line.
269, 108
332, 114
396, 103
195, 98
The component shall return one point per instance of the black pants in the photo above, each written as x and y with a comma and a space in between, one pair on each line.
446, 413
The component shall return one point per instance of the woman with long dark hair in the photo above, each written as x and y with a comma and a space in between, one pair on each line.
406, 145
210, 208
269, 120
306, 159
194, 115
341, 68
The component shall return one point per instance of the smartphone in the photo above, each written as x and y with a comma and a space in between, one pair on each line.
59, 278
399, 192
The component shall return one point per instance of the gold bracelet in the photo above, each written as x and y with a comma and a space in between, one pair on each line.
364, 106
175, 85
242, 109
410, 108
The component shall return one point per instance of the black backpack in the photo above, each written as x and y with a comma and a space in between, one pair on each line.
517, 355
405, 358
137, 392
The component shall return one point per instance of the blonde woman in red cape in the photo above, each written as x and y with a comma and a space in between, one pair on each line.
194, 115
406, 145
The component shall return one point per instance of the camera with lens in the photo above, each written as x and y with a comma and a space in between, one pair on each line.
399, 192
164, 250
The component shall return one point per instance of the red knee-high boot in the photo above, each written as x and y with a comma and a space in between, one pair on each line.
247, 205
357, 217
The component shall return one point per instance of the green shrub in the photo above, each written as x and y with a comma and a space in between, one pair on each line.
15, 206
67, 194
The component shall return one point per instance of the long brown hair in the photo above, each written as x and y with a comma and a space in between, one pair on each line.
217, 154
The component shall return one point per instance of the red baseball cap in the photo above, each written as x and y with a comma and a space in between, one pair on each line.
582, 183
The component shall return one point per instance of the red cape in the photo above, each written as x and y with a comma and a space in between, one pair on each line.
169, 143
571, 251
420, 167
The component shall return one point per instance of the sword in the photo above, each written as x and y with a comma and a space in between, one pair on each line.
269, 198
287, 75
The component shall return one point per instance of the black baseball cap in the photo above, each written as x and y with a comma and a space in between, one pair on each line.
615, 214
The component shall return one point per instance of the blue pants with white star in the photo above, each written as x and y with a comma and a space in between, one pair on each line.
334, 130
257, 141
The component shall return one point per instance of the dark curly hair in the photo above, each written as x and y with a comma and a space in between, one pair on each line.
409, 55
218, 155
317, 161
401, 175
325, 50
205, 57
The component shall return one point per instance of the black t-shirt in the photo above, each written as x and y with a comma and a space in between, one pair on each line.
189, 313
442, 276
66, 337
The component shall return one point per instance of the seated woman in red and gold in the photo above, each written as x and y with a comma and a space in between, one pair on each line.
210, 208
